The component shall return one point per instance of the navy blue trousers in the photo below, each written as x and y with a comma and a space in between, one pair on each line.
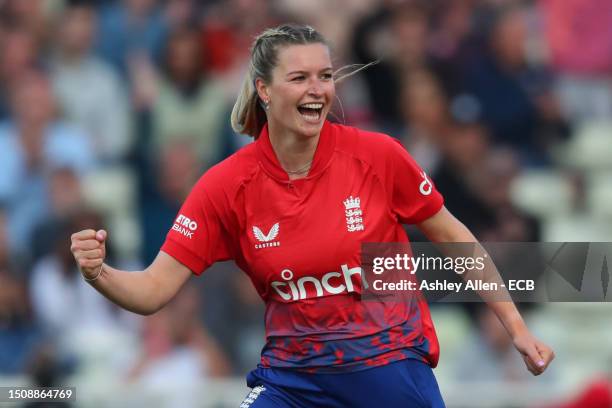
405, 383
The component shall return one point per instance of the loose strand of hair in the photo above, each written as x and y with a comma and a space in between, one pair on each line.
343, 120
355, 71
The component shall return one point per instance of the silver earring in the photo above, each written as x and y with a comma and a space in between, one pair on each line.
266, 104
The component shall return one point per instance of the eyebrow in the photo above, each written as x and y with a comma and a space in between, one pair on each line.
305, 72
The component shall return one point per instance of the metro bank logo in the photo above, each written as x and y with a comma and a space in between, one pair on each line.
185, 226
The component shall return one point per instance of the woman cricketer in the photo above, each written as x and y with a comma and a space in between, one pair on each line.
292, 209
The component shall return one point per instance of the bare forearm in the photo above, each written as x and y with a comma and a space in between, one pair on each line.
133, 291
143, 292
499, 301
443, 227
510, 317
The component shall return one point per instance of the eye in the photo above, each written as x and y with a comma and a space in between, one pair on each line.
298, 78
327, 76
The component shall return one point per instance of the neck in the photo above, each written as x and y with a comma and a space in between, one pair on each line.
294, 151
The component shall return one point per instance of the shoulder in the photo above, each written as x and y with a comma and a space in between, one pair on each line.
369, 146
228, 176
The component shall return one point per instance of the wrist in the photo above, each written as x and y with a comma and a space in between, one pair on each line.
96, 275
517, 328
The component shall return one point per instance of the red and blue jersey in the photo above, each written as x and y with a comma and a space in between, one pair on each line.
299, 242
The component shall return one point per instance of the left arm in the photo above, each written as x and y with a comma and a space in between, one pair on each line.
444, 227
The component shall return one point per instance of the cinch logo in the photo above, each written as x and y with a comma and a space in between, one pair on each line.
267, 239
425, 186
185, 226
332, 283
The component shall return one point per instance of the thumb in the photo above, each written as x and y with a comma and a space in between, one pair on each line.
534, 356
101, 235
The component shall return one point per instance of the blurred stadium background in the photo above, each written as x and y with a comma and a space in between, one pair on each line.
110, 110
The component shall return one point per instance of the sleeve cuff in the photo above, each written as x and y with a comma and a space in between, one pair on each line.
431, 209
184, 256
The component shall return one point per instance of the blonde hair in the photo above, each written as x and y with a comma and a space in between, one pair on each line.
248, 115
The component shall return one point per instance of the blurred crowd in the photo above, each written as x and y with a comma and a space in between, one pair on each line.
111, 110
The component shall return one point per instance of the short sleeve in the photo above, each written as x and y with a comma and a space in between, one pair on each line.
197, 238
414, 197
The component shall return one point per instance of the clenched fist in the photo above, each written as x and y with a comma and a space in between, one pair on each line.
89, 250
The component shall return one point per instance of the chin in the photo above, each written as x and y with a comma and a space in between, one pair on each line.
310, 129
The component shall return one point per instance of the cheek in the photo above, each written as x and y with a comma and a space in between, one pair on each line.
330, 91
284, 100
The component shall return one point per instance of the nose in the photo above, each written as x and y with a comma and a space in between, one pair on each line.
315, 88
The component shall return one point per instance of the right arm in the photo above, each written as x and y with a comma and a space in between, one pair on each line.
143, 292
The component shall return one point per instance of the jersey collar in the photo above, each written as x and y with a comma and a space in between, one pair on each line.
322, 157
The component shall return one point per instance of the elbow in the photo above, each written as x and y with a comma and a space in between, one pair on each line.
154, 300
147, 307
154, 306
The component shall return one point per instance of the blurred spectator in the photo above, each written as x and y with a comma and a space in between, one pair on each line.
130, 30
89, 92
396, 35
169, 180
186, 105
514, 97
451, 152
19, 335
228, 31
426, 116
65, 200
18, 54
178, 353
70, 310
464, 152
452, 41
34, 16
62, 299
182, 13
493, 184
334, 18
33, 142
580, 40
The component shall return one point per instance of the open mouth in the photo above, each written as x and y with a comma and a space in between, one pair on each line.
311, 111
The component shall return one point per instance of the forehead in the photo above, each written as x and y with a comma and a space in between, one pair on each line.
309, 57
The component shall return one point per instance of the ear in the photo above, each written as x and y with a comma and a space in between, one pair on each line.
262, 89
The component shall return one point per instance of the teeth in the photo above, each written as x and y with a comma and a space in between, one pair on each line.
312, 105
